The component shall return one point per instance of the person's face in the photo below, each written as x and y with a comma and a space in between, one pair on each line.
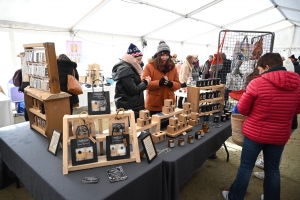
139, 59
164, 57
210, 58
195, 59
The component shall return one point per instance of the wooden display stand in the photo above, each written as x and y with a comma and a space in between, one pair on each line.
193, 97
54, 103
93, 74
159, 136
55, 107
100, 138
173, 130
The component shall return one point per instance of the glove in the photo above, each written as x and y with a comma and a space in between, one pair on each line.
146, 83
162, 81
183, 85
170, 84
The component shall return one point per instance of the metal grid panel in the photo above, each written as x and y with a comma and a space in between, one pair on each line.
239, 67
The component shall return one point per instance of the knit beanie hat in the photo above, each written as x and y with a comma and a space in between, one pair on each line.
134, 51
163, 47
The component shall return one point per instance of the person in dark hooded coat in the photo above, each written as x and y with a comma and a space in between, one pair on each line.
65, 67
129, 87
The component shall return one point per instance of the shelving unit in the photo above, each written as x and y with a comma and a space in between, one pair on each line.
193, 97
100, 138
46, 108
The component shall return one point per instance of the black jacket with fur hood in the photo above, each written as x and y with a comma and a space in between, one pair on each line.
66, 67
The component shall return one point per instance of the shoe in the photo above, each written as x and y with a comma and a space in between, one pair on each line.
262, 197
260, 175
259, 163
214, 156
225, 194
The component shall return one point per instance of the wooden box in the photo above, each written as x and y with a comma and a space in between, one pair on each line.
171, 129
173, 121
187, 112
144, 114
143, 122
168, 102
193, 122
158, 136
183, 118
182, 125
186, 106
178, 126
166, 110
194, 115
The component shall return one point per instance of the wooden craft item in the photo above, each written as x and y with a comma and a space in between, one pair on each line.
173, 121
183, 118
166, 110
182, 125
186, 106
194, 115
171, 129
143, 122
168, 102
158, 136
144, 114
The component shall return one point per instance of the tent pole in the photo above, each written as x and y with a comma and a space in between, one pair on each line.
292, 41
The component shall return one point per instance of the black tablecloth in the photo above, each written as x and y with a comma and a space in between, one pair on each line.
25, 152
182, 162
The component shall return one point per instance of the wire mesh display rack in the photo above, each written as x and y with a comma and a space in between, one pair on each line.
239, 66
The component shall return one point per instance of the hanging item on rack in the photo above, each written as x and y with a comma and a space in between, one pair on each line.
74, 86
258, 48
117, 143
98, 102
217, 62
83, 148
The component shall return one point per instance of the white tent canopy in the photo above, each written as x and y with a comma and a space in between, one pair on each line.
106, 28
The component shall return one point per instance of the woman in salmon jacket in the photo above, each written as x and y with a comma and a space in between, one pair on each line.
164, 79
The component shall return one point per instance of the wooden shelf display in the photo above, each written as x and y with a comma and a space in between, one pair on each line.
45, 103
46, 110
193, 97
100, 138
41, 63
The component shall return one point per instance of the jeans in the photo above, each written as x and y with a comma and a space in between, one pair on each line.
250, 151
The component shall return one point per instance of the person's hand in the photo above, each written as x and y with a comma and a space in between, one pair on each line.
162, 81
148, 79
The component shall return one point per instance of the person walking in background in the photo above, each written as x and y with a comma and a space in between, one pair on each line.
262, 103
185, 74
223, 73
206, 74
129, 86
164, 79
67, 67
174, 58
295, 63
196, 72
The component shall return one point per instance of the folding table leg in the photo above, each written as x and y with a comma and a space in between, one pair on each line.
226, 151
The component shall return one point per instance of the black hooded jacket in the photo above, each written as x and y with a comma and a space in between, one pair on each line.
66, 67
297, 67
129, 87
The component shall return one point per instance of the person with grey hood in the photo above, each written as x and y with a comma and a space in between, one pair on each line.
129, 87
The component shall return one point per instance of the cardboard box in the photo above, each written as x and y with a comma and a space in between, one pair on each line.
158, 136
173, 121
144, 114
186, 106
171, 129
168, 102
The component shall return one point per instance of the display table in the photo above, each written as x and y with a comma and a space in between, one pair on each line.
25, 153
182, 162
6, 116
83, 97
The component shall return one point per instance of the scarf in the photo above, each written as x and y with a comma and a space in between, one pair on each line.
130, 59
165, 68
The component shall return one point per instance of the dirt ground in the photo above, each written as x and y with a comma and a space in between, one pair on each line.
210, 179
214, 176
